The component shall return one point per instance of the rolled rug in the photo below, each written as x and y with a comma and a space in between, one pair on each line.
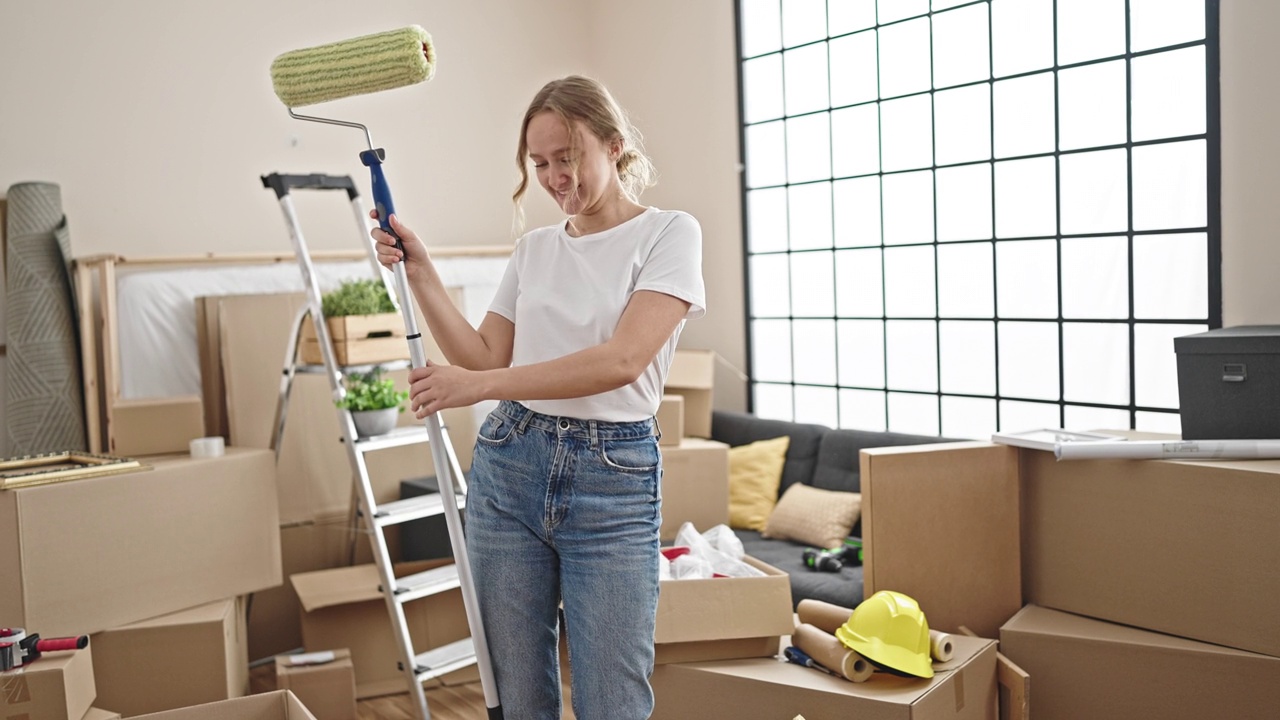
44, 399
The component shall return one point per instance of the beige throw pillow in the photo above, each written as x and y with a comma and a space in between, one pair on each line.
821, 518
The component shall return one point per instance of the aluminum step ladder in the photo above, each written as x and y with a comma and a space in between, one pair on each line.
418, 667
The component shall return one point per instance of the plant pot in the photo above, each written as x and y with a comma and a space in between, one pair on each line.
374, 422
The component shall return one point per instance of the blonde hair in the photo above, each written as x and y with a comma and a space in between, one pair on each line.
581, 98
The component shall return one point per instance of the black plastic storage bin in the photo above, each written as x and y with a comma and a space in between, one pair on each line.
1229, 383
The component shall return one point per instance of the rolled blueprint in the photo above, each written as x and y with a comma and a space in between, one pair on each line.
827, 649
940, 646
1169, 450
823, 615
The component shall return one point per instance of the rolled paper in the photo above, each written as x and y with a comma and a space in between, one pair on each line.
827, 650
823, 615
940, 646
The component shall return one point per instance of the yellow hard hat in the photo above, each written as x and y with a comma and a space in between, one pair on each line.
889, 628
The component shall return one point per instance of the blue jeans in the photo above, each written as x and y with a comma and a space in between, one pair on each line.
566, 510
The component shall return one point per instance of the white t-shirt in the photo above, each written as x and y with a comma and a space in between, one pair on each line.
565, 294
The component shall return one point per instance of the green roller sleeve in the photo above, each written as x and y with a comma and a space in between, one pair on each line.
366, 64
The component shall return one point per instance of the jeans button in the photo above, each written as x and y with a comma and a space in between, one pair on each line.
564, 424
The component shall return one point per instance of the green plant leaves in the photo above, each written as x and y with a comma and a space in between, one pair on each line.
370, 391
357, 297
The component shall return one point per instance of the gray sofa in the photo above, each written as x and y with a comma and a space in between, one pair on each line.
817, 456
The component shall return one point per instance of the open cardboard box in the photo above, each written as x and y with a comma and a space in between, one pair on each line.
277, 705
83, 556
56, 686
722, 618
963, 688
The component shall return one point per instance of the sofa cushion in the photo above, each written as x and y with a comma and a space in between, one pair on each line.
816, 517
837, 466
755, 470
842, 588
735, 429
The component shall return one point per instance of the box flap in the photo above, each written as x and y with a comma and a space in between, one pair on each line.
1036, 620
214, 612
336, 586
692, 370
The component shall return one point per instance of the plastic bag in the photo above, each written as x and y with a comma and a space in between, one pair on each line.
721, 562
722, 538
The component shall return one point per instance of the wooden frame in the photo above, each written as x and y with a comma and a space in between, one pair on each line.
57, 467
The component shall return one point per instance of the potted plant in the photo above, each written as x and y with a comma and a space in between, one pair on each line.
363, 325
373, 402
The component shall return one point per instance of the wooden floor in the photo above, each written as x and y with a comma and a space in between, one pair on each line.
458, 702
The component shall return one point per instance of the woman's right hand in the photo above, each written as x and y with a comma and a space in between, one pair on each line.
415, 251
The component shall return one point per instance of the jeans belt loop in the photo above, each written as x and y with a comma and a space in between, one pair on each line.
595, 436
524, 421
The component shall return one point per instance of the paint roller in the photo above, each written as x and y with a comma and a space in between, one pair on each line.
366, 64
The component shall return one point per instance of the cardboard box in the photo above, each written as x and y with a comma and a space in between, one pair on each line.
277, 705
1083, 668
83, 556
185, 658
342, 607
57, 686
155, 426
100, 714
1228, 379
695, 485
358, 339
962, 689
1160, 545
670, 418
723, 618
327, 688
940, 523
691, 376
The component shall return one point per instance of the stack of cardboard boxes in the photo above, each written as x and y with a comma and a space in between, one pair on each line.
154, 565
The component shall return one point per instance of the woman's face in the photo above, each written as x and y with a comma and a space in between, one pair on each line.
595, 163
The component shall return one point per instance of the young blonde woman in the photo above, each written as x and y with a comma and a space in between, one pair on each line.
564, 500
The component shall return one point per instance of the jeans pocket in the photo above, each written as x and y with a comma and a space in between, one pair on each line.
496, 430
634, 455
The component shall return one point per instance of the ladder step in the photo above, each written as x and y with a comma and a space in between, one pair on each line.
430, 582
366, 368
414, 508
406, 435
444, 659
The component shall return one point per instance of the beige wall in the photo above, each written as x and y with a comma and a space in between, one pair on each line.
157, 117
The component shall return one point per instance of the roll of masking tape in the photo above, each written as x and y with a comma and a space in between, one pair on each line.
15, 636
207, 447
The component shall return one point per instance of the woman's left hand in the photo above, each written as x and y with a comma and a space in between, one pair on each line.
439, 387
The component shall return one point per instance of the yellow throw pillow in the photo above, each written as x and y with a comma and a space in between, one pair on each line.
755, 471
809, 515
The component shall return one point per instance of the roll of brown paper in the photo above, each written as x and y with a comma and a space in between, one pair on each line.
823, 615
827, 650
940, 646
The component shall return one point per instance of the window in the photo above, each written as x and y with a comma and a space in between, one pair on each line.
969, 216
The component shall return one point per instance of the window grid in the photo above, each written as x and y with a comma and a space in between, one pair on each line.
1210, 230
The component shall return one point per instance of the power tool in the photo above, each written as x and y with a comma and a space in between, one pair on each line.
832, 560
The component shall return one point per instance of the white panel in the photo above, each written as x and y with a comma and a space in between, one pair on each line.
894, 10
855, 141
771, 350
1017, 416
846, 16
766, 155
803, 21
1095, 192
1022, 36
770, 286
1155, 365
1157, 23
773, 402
1171, 276
862, 410
1024, 109
861, 348
1095, 277
913, 414
906, 133
966, 288
1095, 359
972, 418
809, 148
1092, 106
904, 57
817, 405
1082, 418
964, 203
1169, 94
762, 89
1160, 422
815, 352
1028, 355
912, 355
1026, 202
961, 47
809, 216
761, 27
908, 208
767, 220
968, 357
857, 212
805, 72
962, 124
1090, 29
813, 284
910, 284
859, 288
854, 78
1027, 279
1170, 186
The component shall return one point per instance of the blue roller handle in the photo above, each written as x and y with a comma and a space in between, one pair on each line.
381, 192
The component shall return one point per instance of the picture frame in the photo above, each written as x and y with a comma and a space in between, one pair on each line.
19, 472
1049, 438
